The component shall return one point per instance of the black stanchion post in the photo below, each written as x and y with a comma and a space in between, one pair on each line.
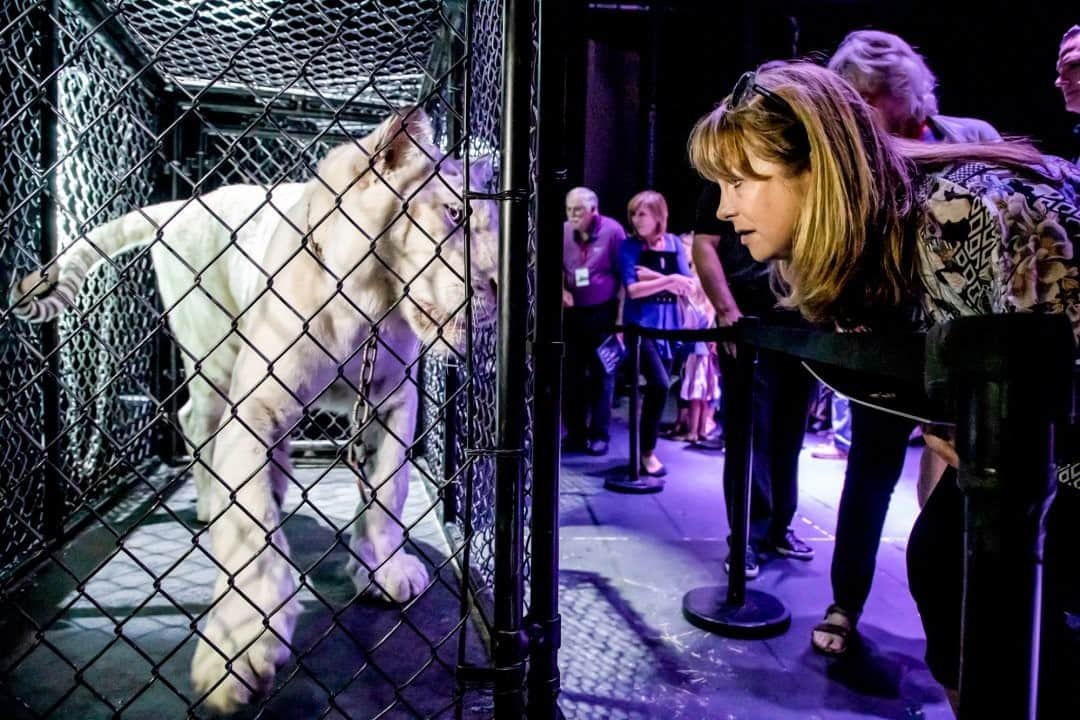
1008, 379
634, 463
736, 611
739, 431
633, 483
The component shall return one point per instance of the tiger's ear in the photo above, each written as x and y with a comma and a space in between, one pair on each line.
402, 140
481, 171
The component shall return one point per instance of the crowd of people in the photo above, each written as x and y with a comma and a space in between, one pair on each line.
838, 196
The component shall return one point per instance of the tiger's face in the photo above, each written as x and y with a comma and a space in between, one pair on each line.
434, 256
403, 217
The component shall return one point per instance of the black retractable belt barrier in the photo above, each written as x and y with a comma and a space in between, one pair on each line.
1004, 381
1009, 380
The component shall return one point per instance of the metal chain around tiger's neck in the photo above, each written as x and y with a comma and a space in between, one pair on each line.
361, 413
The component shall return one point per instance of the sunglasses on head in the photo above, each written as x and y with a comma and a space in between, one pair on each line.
747, 85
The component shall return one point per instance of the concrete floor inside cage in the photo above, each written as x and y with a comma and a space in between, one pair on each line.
627, 560
627, 652
128, 638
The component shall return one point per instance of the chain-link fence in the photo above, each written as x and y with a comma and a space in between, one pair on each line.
246, 283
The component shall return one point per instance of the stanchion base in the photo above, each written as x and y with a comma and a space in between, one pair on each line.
644, 485
761, 615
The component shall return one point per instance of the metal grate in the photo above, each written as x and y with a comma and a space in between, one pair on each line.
22, 508
374, 53
107, 164
102, 362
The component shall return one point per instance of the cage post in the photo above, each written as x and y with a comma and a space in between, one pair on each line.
49, 64
509, 645
168, 443
452, 382
552, 184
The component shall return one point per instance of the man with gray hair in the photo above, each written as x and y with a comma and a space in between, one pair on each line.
590, 308
896, 81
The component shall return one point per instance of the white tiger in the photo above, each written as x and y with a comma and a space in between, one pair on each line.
270, 295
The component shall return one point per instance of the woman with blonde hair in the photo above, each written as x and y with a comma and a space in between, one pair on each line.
870, 231
655, 271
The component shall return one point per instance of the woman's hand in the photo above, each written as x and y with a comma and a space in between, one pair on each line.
567, 299
680, 285
645, 273
727, 319
939, 441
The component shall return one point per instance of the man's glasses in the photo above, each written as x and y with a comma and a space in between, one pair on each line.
747, 85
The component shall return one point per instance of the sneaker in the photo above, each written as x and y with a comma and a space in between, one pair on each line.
598, 447
752, 568
791, 546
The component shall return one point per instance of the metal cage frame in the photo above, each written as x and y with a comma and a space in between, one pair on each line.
186, 105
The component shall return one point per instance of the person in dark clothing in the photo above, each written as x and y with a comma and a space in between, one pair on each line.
896, 82
736, 285
590, 307
866, 230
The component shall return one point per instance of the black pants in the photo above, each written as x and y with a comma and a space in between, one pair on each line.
782, 395
935, 575
655, 370
588, 388
875, 462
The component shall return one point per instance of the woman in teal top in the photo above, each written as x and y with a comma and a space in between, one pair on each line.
654, 271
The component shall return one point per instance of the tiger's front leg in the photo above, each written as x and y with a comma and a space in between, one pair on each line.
250, 623
379, 563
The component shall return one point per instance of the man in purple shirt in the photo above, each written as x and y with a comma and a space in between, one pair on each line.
590, 308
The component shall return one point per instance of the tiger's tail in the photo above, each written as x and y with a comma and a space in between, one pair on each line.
44, 294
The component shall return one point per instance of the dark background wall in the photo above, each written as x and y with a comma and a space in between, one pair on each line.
651, 69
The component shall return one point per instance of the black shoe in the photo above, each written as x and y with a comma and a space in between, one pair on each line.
791, 546
706, 443
598, 447
572, 445
752, 568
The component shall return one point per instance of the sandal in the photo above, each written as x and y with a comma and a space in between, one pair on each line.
846, 634
657, 473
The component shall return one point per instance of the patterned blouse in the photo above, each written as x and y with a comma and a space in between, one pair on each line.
990, 241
